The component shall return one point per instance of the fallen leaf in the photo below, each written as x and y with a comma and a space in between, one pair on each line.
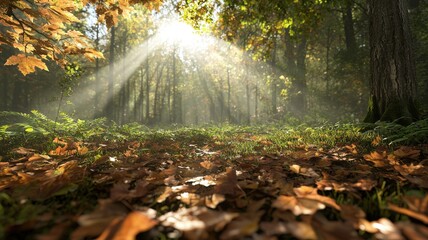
407, 152
244, 225
214, 200
334, 230
302, 230
298, 206
227, 184
312, 194
196, 222
128, 228
416, 215
413, 231
387, 230
274, 228
378, 158
205, 181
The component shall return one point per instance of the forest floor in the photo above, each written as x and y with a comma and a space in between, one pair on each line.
214, 183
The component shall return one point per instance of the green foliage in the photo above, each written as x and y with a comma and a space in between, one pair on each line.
37, 131
395, 134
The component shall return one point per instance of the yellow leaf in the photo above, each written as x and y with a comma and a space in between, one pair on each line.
91, 54
376, 141
26, 64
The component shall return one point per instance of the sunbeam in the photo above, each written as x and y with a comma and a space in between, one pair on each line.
220, 67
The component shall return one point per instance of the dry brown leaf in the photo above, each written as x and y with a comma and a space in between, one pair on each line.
227, 184
376, 141
196, 222
407, 152
312, 193
413, 231
128, 228
378, 158
298, 206
274, 228
207, 164
191, 199
416, 215
356, 217
214, 200
93, 224
121, 191
302, 230
244, 225
333, 230
387, 230
417, 204
24, 151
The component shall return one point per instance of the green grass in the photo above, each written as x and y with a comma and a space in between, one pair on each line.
240, 147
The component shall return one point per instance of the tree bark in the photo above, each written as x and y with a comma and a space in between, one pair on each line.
348, 25
147, 117
274, 83
296, 68
97, 88
110, 94
393, 83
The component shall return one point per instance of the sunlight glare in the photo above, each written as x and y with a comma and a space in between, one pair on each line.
177, 33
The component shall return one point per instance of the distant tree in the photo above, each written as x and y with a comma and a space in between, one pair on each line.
393, 83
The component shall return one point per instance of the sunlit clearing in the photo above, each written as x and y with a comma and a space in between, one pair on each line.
179, 34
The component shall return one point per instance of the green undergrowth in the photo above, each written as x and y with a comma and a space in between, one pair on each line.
229, 143
36, 130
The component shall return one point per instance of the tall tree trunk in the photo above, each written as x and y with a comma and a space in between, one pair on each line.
229, 114
5, 90
97, 88
123, 96
141, 97
206, 88
168, 76
348, 24
327, 61
248, 95
256, 102
110, 108
176, 94
393, 83
274, 83
147, 119
296, 68
300, 81
157, 98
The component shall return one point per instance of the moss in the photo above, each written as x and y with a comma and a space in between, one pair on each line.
399, 111
373, 113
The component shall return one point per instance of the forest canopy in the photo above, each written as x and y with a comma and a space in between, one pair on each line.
254, 61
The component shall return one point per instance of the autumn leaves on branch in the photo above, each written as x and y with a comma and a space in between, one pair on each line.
40, 31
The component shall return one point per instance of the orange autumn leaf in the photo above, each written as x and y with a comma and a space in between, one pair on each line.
134, 223
378, 158
26, 64
407, 152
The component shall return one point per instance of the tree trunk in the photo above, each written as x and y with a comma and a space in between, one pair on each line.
348, 24
296, 69
274, 83
5, 90
97, 88
147, 117
229, 114
393, 83
110, 94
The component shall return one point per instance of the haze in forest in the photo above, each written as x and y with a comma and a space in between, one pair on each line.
216, 62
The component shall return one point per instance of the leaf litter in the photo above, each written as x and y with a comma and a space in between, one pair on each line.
167, 189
